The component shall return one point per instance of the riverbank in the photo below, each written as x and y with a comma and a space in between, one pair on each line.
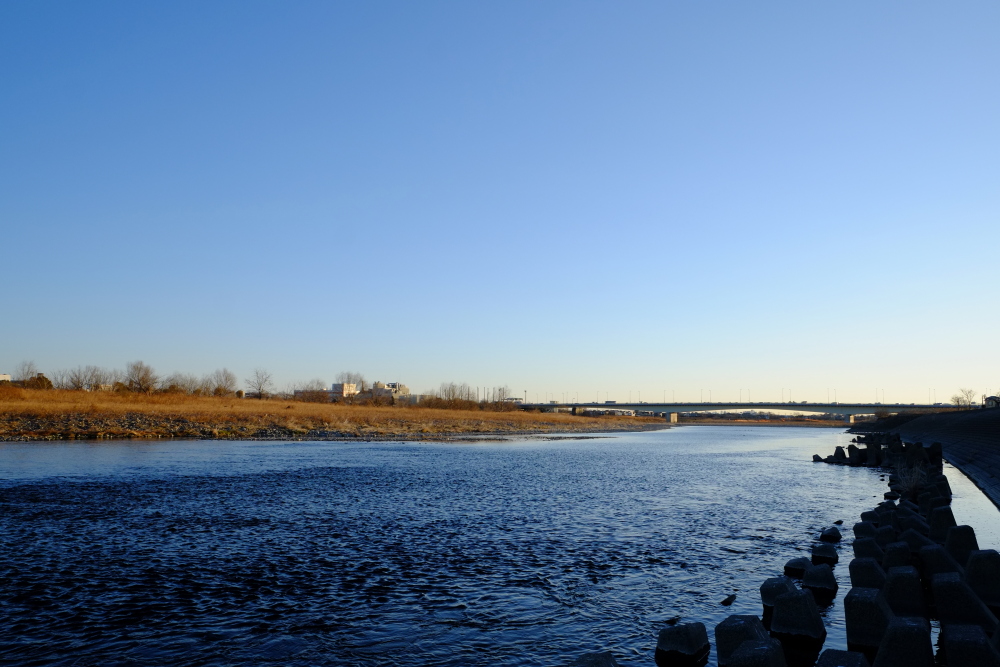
970, 441
812, 423
27, 415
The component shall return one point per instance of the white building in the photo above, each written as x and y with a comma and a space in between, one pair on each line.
343, 390
4, 377
390, 389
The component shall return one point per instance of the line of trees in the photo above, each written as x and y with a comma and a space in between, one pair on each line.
965, 398
137, 377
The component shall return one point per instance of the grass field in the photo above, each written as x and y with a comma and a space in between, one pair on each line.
60, 414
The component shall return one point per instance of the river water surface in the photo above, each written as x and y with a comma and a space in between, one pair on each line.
527, 552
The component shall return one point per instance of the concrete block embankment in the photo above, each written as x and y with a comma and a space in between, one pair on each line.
970, 441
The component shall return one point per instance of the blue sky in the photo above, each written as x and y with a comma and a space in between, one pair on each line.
561, 197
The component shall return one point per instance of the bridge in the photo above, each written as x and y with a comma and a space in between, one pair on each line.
847, 410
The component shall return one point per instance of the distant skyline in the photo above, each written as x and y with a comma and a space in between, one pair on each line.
563, 198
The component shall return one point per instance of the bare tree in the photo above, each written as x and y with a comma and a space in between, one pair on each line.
181, 383
451, 391
260, 382
140, 377
222, 382
965, 398
76, 378
353, 377
60, 379
25, 371
87, 378
313, 391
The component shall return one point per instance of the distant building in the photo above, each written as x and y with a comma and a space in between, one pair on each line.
988, 402
617, 412
390, 390
343, 390
4, 377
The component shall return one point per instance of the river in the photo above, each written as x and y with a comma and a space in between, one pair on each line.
527, 552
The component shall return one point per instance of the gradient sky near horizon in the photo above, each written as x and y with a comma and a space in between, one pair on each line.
562, 197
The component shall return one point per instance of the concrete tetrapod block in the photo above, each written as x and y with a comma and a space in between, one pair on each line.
796, 615
864, 529
904, 592
758, 653
867, 615
684, 645
839, 456
799, 627
925, 500
896, 554
941, 482
604, 659
907, 643
735, 630
797, 567
916, 523
982, 573
967, 646
771, 589
853, 455
885, 535
834, 658
867, 547
938, 500
824, 553
831, 534
819, 580
942, 518
960, 542
935, 560
957, 605
866, 573
871, 516
915, 539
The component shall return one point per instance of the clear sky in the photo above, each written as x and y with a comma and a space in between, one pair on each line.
562, 197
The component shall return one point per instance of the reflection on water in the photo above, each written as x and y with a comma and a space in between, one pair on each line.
525, 553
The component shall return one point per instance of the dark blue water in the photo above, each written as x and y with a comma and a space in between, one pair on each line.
519, 553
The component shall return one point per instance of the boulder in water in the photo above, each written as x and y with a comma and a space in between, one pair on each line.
604, 659
735, 630
758, 653
831, 535
684, 645
824, 553
796, 567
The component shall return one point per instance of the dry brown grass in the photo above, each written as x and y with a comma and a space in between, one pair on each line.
60, 414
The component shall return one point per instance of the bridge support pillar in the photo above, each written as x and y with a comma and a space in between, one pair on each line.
850, 419
672, 417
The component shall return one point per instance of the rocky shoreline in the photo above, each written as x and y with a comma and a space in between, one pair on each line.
912, 566
144, 426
